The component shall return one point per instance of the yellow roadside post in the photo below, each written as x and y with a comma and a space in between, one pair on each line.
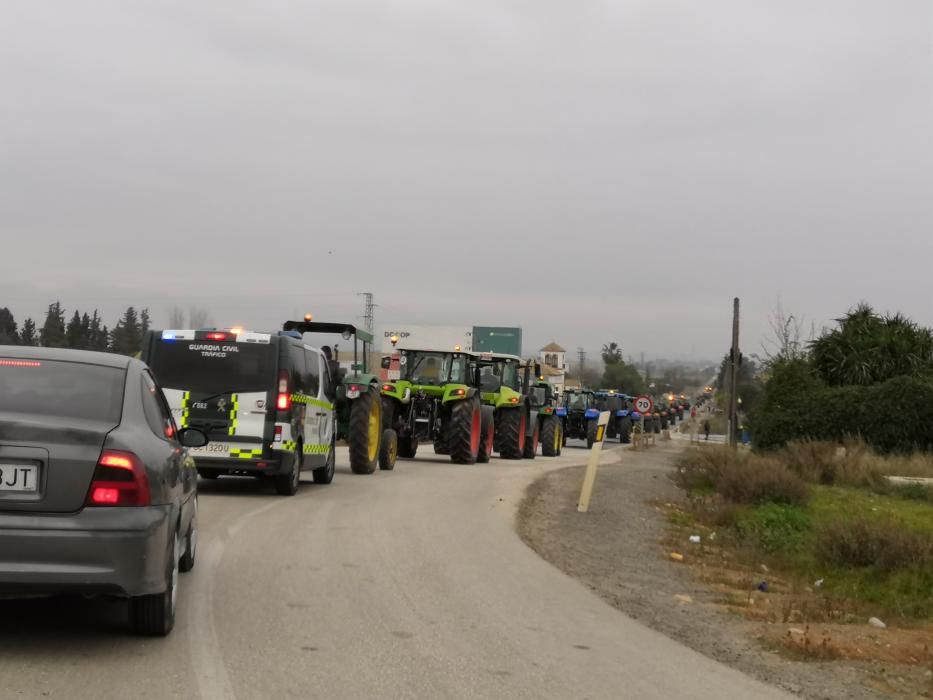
590, 478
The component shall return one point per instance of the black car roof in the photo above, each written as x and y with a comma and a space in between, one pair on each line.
90, 357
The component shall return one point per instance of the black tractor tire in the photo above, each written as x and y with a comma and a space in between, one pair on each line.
287, 484
154, 615
531, 444
510, 427
389, 409
466, 420
365, 432
625, 430
487, 435
611, 426
550, 436
190, 543
408, 447
324, 475
590, 432
388, 450
657, 426
441, 442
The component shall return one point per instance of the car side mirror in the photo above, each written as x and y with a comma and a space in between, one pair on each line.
386, 362
192, 437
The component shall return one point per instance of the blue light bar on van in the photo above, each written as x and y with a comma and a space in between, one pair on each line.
168, 336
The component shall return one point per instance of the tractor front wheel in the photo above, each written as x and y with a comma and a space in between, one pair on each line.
487, 432
510, 427
590, 433
531, 443
463, 433
365, 432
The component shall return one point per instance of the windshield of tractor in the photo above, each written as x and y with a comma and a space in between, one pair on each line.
576, 402
434, 368
495, 375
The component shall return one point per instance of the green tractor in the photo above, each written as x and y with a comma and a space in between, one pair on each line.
437, 399
358, 407
505, 387
550, 426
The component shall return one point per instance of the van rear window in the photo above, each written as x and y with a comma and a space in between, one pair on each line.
63, 389
205, 366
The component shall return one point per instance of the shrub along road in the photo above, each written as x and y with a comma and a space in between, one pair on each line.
411, 584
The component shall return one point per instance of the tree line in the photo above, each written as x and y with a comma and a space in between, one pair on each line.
82, 331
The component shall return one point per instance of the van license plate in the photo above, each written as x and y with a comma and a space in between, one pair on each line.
211, 449
19, 478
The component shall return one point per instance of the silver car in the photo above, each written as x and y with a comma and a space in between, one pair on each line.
97, 491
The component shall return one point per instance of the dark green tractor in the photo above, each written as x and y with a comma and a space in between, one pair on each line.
358, 407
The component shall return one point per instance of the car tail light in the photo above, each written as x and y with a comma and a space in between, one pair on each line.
19, 363
119, 480
284, 401
277, 436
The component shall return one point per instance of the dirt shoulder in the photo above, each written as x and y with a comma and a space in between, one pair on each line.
618, 549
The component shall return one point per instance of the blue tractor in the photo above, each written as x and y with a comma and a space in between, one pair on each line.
579, 415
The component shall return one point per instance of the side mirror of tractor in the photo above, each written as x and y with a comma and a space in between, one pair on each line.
386, 362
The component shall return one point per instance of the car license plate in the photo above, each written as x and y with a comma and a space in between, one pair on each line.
20, 478
211, 449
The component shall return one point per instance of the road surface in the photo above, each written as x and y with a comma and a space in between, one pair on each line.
408, 584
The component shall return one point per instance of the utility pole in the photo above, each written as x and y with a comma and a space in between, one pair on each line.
581, 355
735, 359
369, 306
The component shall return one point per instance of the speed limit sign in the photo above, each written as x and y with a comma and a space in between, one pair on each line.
643, 404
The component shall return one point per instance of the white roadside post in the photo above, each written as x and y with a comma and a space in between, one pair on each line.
590, 478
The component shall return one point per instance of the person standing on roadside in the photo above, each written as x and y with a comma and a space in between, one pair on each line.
706, 428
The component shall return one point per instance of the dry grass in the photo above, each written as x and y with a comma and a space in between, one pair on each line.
883, 543
740, 477
853, 463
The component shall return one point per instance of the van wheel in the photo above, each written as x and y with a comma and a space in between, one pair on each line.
388, 450
325, 474
154, 615
287, 484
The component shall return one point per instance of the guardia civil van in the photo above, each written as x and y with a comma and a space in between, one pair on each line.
265, 400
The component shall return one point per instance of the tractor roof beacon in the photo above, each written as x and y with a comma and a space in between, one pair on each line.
358, 406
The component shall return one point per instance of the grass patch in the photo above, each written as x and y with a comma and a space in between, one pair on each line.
870, 542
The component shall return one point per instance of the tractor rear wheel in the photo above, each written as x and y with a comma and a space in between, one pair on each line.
488, 433
625, 430
531, 443
550, 437
466, 421
365, 432
510, 427
590, 433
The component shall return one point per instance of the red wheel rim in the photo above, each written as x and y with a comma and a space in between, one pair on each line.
521, 433
475, 431
537, 437
490, 435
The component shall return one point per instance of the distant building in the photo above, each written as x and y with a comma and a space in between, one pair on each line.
553, 359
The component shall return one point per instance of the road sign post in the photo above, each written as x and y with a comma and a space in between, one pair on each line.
593, 464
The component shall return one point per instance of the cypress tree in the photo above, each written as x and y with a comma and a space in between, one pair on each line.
52, 334
9, 333
27, 335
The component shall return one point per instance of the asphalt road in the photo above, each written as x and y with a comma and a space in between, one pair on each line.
406, 584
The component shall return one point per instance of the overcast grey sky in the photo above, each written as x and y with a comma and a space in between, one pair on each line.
591, 171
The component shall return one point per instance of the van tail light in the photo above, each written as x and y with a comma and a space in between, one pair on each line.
284, 401
277, 436
119, 480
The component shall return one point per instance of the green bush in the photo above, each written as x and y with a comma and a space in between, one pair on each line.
895, 416
774, 527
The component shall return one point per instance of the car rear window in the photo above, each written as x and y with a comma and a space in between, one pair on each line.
205, 366
62, 389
